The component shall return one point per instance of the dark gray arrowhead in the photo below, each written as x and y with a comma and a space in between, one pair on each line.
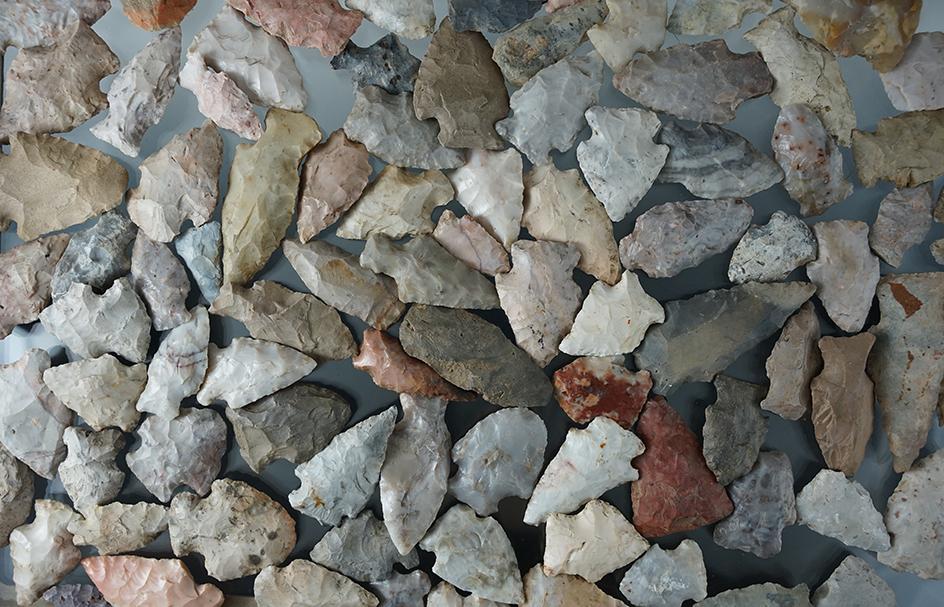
97, 255
386, 63
491, 15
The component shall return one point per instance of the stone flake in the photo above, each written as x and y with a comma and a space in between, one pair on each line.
41, 23
845, 272
386, 63
491, 15
620, 161
305, 584
904, 220
397, 203
90, 473
16, 494
841, 508
905, 150
26, 275
202, 250
335, 277
135, 581
333, 178
501, 456
804, 73
613, 320
101, 390
161, 281
140, 93
116, 527
761, 595
388, 127
667, 578
445, 595
187, 450
539, 296
415, 473
154, 15
792, 365
338, 481
42, 551
32, 419
917, 82
734, 429
97, 255
237, 529
630, 27
322, 24
591, 387
402, 590
589, 463
558, 590
592, 543
674, 236
490, 187
468, 241
178, 182
412, 19
49, 184
72, 595
769, 253
222, 101
293, 424
547, 112
712, 17
361, 549
854, 584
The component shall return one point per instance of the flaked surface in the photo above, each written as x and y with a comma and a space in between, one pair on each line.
792, 365
769, 253
734, 428
838, 507
360, 548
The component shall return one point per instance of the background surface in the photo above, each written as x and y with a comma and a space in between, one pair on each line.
806, 557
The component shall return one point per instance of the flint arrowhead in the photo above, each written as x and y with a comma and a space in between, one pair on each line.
26, 275
841, 508
25, 27
630, 27
202, 250
386, 63
761, 595
101, 390
591, 387
161, 281
541, 590
712, 17
116, 527
917, 82
904, 219
491, 188
90, 473
126, 580
769, 253
16, 494
468, 241
305, 583
792, 365
490, 15
734, 429
667, 577
853, 582
96, 256
42, 551
360, 548
320, 24
408, 18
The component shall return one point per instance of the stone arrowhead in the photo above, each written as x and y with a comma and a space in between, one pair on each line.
90, 473
620, 161
116, 528
16, 494
537, 43
187, 450
843, 401
904, 219
712, 162
49, 184
761, 595
26, 275
917, 82
74, 595
221, 100
675, 236
445, 595
792, 365
769, 253
260, 65
542, 590
716, 327
675, 490
907, 361
763, 505
712, 17
237, 529
335, 277
804, 72
339, 480
322, 24
913, 518
387, 125
54, 88
202, 251
841, 508
263, 186
667, 577
29, 25
335, 174
547, 112
674, 80
853, 582
592, 543
501, 456
613, 319
490, 571
141, 92
397, 203
293, 424
426, 273
360, 548
490, 15
539, 296
810, 159
560, 207
488, 363
412, 19
845, 272
468, 241
589, 463
32, 419
491, 188
178, 367
179, 182
42, 551
96, 256
882, 155
278, 314
416, 471
101, 390
630, 27
386, 63
466, 114
249, 369
734, 429
402, 590
161, 281
591, 387
305, 583
156, 15
126, 581
879, 31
